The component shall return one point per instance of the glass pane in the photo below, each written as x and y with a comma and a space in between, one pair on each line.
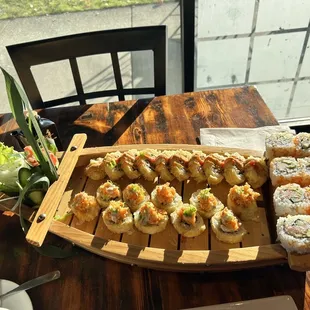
261, 43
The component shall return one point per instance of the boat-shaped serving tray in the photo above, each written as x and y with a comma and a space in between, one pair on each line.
166, 250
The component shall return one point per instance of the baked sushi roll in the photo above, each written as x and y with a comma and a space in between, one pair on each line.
280, 144
128, 164
187, 221
107, 192
179, 165
85, 207
291, 199
145, 162
165, 197
206, 203
134, 196
95, 169
242, 201
162, 165
118, 218
234, 168
214, 168
294, 233
284, 170
227, 227
149, 219
112, 165
195, 166
305, 167
302, 144
255, 171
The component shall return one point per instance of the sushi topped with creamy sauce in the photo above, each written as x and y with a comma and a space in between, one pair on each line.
107, 192
206, 203
214, 168
95, 169
195, 166
162, 165
85, 207
179, 165
134, 196
255, 171
187, 221
145, 162
149, 219
112, 165
165, 197
128, 164
227, 227
233, 169
118, 218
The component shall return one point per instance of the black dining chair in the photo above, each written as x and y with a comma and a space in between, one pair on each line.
29, 54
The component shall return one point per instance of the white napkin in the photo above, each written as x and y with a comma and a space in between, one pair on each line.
243, 138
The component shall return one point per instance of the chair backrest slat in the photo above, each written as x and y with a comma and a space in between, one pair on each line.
26, 55
117, 75
77, 80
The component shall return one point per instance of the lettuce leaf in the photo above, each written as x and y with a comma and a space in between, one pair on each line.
10, 163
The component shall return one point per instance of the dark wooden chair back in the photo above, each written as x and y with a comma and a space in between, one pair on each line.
29, 54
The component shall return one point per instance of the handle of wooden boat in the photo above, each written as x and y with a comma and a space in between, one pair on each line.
299, 262
46, 212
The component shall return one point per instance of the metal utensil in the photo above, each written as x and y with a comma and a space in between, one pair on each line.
33, 283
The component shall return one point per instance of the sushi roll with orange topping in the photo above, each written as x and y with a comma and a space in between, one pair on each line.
179, 165
162, 165
118, 218
187, 221
134, 195
85, 207
145, 162
149, 219
165, 197
227, 227
206, 203
107, 192
195, 166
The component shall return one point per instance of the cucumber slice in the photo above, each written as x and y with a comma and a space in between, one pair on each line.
36, 196
23, 176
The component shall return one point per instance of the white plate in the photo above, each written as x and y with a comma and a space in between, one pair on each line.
16, 301
272, 303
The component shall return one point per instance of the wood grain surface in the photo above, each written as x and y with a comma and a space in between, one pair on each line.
91, 282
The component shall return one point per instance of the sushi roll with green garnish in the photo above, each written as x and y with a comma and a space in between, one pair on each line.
107, 192
112, 165
145, 162
206, 203
187, 221
134, 196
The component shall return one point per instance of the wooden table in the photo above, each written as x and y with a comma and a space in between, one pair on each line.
92, 282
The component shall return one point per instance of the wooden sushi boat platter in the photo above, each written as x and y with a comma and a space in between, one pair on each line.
166, 250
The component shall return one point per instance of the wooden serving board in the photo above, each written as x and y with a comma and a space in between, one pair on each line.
168, 250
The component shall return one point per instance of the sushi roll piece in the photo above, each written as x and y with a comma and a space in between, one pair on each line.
195, 166
107, 192
179, 165
95, 169
305, 166
165, 197
118, 218
206, 203
128, 164
255, 171
112, 165
302, 144
242, 201
280, 144
284, 170
85, 207
187, 221
162, 165
294, 233
234, 168
145, 162
291, 199
149, 219
227, 227
214, 168
134, 196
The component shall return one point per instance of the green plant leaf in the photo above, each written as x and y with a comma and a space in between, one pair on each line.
18, 101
